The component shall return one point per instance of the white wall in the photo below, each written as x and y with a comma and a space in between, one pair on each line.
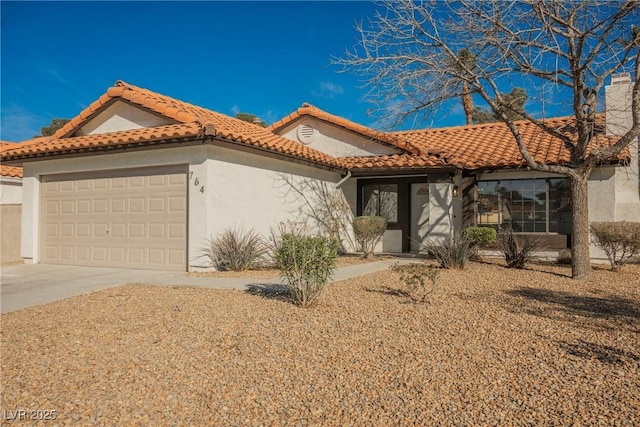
10, 191
335, 140
253, 191
121, 116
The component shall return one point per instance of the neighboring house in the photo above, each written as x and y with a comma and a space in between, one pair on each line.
10, 211
139, 179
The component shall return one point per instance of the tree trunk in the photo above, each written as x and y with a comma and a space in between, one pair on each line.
467, 102
580, 259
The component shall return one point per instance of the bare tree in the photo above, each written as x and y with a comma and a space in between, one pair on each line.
565, 49
324, 204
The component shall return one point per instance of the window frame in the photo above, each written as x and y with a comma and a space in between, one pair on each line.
511, 187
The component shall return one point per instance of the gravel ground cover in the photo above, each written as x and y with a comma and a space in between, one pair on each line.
493, 347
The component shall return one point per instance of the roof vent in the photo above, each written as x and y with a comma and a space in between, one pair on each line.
620, 78
306, 133
305, 104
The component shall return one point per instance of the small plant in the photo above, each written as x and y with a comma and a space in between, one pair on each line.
619, 240
368, 231
235, 250
306, 263
517, 250
416, 277
479, 237
564, 257
451, 253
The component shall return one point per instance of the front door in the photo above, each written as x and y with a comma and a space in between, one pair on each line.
431, 211
419, 215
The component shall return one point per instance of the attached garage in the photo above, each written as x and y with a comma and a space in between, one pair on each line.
133, 218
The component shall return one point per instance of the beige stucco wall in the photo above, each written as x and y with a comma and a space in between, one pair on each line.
239, 189
334, 140
10, 219
121, 116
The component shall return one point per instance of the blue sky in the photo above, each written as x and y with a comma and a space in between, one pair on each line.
265, 58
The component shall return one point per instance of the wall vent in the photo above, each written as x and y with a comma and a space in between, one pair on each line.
306, 134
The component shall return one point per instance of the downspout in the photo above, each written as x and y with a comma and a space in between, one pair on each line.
343, 180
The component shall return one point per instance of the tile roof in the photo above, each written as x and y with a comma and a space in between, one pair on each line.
9, 171
394, 161
191, 121
492, 145
313, 111
488, 145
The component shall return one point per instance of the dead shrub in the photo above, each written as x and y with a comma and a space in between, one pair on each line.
620, 240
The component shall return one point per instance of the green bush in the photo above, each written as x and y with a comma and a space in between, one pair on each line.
517, 250
451, 253
235, 250
368, 231
306, 263
415, 278
619, 240
479, 237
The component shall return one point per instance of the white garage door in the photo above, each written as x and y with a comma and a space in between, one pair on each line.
125, 218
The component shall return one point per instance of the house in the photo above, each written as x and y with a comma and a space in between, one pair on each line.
139, 179
10, 211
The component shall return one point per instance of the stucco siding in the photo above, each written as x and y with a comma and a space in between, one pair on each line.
10, 191
10, 233
336, 141
250, 191
121, 116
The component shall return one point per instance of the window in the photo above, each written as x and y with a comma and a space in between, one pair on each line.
380, 200
527, 205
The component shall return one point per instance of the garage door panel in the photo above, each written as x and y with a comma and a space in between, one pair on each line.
119, 205
156, 231
83, 253
137, 204
84, 206
68, 207
67, 252
99, 254
52, 207
100, 206
134, 218
156, 256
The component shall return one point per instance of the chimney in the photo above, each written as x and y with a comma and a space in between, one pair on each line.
256, 121
618, 104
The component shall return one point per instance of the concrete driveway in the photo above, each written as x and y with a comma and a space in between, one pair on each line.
26, 285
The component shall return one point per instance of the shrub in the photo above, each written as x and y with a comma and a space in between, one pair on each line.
235, 250
451, 253
564, 257
306, 263
479, 237
619, 240
368, 231
517, 250
415, 278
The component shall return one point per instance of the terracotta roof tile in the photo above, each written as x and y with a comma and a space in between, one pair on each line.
313, 111
9, 171
193, 117
470, 147
492, 145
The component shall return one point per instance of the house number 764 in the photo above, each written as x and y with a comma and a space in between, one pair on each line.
196, 182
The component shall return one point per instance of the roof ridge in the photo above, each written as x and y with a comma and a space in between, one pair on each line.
320, 114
